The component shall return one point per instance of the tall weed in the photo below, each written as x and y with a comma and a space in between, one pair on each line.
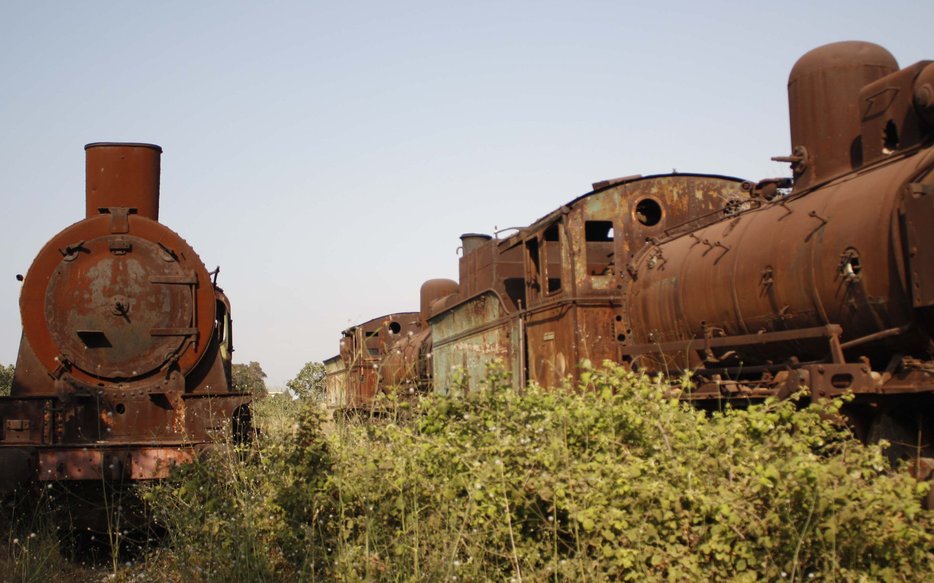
615, 480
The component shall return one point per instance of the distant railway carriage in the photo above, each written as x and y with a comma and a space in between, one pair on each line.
352, 377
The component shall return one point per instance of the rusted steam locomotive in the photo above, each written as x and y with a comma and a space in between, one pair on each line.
124, 366
823, 281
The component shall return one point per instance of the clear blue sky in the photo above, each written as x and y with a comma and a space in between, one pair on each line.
328, 155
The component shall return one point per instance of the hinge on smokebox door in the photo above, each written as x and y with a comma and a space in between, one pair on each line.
191, 280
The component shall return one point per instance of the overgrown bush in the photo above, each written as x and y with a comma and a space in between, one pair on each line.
309, 382
227, 517
276, 415
617, 480
6, 379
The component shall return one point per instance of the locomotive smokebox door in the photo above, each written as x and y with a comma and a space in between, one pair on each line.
117, 297
111, 314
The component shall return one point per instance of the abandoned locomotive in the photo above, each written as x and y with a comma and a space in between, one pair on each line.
823, 281
124, 363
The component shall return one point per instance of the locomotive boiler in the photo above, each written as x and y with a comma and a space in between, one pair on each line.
822, 282
124, 365
827, 286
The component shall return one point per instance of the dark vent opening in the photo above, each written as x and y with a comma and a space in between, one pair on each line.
598, 231
890, 139
94, 339
551, 233
515, 290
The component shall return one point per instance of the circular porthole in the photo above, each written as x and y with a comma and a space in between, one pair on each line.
648, 212
395, 327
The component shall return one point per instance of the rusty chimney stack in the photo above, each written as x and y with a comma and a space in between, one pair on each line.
823, 100
470, 242
122, 175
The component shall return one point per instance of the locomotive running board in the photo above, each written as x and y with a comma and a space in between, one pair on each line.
831, 332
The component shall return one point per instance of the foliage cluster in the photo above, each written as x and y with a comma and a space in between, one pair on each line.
617, 480
249, 378
276, 415
309, 382
6, 379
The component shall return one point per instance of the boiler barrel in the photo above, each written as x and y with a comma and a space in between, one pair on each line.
831, 257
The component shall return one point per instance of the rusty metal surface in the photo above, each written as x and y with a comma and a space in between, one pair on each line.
470, 242
407, 366
488, 264
353, 378
578, 260
545, 298
825, 288
122, 176
923, 94
470, 336
140, 463
432, 291
407, 363
823, 101
917, 213
126, 340
890, 115
800, 263
851, 253
117, 302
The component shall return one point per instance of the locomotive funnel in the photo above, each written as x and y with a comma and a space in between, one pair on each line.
473, 241
122, 175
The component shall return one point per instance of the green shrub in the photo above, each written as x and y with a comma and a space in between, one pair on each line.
617, 480
6, 379
276, 414
227, 517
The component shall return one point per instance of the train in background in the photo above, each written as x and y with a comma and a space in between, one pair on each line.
124, 368
823, 281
